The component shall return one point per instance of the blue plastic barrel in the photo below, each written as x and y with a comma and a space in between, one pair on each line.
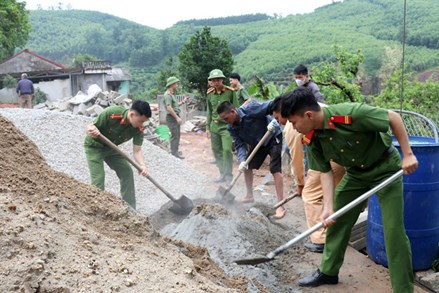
421, 209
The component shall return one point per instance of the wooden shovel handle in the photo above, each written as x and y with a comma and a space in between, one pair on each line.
134, 163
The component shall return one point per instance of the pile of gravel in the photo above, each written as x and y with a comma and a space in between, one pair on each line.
60, 137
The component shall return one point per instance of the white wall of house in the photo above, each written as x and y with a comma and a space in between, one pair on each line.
8, 96
55, 90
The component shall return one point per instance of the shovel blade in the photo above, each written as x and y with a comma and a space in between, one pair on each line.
225, 194
253, 261
182, 206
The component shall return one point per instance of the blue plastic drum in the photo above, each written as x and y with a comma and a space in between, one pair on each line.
421, 209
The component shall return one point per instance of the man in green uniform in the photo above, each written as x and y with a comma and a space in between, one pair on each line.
356, 136
216, 128
118, 125
173, 119
241, 93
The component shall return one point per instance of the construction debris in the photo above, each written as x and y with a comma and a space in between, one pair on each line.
90, 104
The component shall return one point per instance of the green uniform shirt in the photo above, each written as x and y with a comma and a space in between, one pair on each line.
113, 124
172, 100
359, 143
215, 98
242, 95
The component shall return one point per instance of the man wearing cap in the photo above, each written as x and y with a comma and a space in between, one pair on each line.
216, 128
25, 90
241, 93
118, 125
173, 119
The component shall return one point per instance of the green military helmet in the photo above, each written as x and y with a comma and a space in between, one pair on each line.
216, 73
171, 80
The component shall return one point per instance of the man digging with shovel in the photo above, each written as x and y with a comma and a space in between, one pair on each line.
356, 136
118, 125
248, 125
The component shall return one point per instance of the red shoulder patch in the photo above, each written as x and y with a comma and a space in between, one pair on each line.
116, 116
342, 119
230, 88
308, 137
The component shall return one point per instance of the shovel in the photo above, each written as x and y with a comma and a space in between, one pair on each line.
181, 206
225, 193
270, 256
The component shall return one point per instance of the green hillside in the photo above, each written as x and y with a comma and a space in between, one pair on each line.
269, 48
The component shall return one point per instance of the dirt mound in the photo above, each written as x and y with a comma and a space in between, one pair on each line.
239, 232
60, 235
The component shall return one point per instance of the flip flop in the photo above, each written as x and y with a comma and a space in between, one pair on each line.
247, 200
280, 216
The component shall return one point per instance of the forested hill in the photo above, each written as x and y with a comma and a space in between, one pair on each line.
263, 46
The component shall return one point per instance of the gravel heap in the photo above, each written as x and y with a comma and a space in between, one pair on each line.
60, 137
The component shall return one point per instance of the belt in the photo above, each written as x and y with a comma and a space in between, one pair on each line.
385, 154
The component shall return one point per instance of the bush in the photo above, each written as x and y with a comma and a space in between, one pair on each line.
9, 82
39, 97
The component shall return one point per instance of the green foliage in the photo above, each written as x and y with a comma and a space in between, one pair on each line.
39, 97
199, 56
14, 27
420, 97
262, 91
268, 48
170, 69
79, 58
338, 80
9, 82
226, 20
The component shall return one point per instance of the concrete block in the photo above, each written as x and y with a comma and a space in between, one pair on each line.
103, 103
102, 95
51, 105
82, 109
75, 110
95, 109
118, 100
63, 105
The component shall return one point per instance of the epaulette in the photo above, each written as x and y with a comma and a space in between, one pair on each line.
347, 119
210, 90
116, 116
230, 88
306, 139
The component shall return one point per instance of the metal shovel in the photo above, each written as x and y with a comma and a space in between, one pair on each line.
270, 256
225, 193
180, 206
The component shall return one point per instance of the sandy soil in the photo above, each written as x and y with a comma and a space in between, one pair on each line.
59, 235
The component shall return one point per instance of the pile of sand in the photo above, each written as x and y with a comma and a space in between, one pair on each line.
61, 235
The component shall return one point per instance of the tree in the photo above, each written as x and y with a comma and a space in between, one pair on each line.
420, 97
340, 81
262, 91
199, 56
14, 27
79, 58
170, 69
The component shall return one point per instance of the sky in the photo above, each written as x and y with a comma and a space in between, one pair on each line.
163, 14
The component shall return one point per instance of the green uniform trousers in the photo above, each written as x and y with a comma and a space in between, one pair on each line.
95, 160
221, 143
174, 128
354, 184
